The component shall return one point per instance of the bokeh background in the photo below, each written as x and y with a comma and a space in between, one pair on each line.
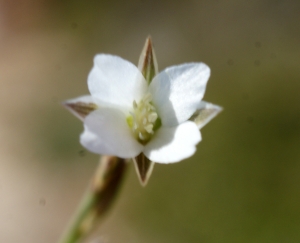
242, 185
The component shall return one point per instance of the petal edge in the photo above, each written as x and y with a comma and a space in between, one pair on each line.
116, 81
173, 144
178, 90
106, 132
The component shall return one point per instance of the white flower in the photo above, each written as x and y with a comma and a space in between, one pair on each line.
140, 114
124, 116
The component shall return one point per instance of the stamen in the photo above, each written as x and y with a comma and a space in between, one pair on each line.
134, 104
152, 117
149, 128
143, 119
141, 136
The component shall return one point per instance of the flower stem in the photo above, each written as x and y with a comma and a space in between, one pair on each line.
97, 200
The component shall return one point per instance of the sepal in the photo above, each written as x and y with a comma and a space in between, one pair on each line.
205, 113
148, 67
143, 167
81, 106
147, 62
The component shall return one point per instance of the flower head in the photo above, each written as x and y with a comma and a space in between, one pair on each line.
134, 112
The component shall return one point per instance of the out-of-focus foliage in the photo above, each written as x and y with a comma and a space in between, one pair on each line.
243, 183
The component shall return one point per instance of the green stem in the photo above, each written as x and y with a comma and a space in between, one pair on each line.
97, 200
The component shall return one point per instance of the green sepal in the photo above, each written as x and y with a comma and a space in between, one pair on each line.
147, 62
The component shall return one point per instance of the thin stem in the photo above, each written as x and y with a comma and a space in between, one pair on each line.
97, 200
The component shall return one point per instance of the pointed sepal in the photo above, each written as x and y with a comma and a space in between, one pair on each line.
148, 67
81, 106
147, 62
143, 167
205, 112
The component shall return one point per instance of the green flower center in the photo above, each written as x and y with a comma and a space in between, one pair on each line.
144, 120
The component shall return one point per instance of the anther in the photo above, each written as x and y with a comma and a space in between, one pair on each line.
134, 104
144, 121
152, 117
149, 128
141, 136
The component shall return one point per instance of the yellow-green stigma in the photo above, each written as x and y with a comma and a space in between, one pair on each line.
144, 120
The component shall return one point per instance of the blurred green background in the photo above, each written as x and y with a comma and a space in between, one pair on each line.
242, 185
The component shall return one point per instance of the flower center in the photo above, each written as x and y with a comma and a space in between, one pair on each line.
144, 120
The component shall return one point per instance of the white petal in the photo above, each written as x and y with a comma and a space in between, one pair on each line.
81, 106
116, 81
106, 132
173, 144
205, 113
178, 90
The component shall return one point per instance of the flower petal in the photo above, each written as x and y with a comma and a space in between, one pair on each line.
106, 132
178, 90
116, 81
173, 144
205, 112
81, 106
